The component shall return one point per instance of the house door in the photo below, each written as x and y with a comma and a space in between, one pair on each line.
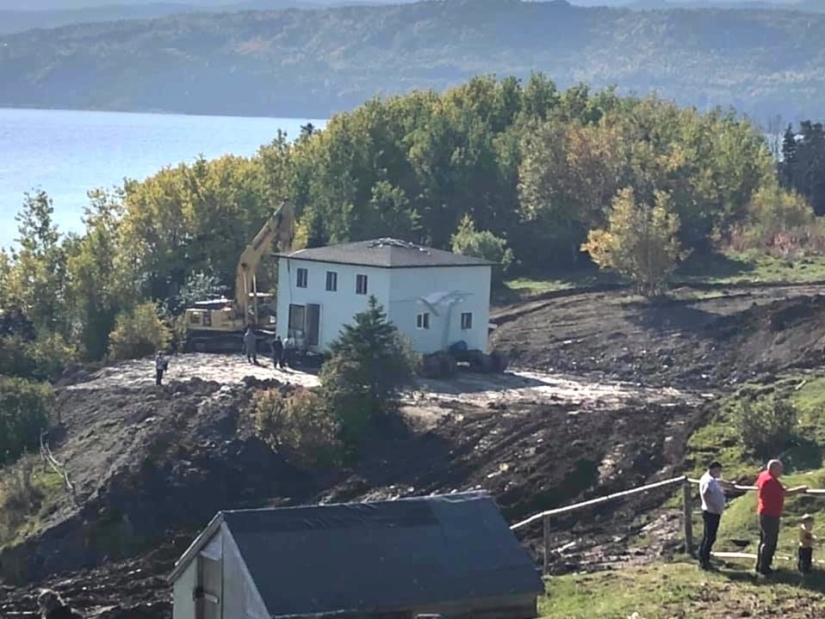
208, 604
313, 323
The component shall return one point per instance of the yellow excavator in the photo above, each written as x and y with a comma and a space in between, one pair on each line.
217, 325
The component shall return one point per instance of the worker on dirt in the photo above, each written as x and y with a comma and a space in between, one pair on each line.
277, 352
161, 365
250, 344
771, 495
51, 606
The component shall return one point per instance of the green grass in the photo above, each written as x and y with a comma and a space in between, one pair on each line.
23, 510
804, 464
680, 589
728, 269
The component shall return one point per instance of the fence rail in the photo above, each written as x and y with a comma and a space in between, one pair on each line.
687, 514
56, 466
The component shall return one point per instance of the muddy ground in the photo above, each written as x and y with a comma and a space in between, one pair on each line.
608, 391
697, 340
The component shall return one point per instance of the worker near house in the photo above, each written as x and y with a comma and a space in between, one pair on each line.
161, 365
250, 344
712, 492
51, 606
771, 495
277, 352
806, 544
289, 351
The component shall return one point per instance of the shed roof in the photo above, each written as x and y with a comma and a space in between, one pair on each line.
386, 253
381, 556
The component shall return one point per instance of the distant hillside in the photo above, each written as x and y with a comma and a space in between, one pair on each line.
312, 63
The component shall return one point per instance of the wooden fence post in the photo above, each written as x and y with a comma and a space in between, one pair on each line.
546, 565
687, 506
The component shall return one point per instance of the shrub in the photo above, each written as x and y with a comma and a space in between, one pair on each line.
482, 244
25, 409
138, 333
766, 426
297, 426
19, 498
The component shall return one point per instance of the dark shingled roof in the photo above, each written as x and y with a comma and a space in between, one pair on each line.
387, 253
382, 556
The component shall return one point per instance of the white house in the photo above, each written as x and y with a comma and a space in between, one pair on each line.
435, 297
452, 555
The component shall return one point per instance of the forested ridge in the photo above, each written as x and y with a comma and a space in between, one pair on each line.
311, 63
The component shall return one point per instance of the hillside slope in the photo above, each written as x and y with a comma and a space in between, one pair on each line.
312, 63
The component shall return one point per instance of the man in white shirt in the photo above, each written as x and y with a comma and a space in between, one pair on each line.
711, 490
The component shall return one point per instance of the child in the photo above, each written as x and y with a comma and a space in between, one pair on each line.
806, 544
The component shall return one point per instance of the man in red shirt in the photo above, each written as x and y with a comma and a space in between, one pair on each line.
771, 501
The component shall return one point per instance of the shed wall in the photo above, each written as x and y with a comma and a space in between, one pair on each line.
241, 599
184, 605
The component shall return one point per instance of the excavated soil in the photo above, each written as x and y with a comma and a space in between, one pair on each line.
698, 339
591, 416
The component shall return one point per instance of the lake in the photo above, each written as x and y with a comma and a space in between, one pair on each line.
67, 153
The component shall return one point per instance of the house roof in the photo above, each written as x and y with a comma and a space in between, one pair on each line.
381, 556
386, 253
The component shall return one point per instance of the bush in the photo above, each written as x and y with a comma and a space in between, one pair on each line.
19, 498
25, 409
297, 426
766, 426
482, 244
138, 333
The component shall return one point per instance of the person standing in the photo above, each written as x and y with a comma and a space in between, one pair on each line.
770, 504
278, 352
806, 544
250, 345
161, 365
712, 493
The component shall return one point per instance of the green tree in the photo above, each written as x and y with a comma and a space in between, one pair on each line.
369, 365
482, 244
138, 333
640, 242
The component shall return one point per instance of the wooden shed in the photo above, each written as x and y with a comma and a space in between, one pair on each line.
451, 555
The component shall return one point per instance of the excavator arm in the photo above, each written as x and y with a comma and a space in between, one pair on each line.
280, 227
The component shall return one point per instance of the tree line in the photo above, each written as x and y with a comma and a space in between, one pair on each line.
536, 178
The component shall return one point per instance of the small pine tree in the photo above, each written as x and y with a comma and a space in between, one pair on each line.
369, 365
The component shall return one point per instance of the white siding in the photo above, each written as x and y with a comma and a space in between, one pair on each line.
184, 605
240, 596
337, 308
409, 286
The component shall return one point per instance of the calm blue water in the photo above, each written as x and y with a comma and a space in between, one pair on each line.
67, 153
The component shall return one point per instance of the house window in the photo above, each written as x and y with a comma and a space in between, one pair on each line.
332, 281
466, 320
360, 284
422, 321
303, 276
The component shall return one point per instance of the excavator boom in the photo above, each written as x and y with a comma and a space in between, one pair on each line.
280, 227
219, 329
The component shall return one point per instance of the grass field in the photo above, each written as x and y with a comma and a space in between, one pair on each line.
680, 590
728, 269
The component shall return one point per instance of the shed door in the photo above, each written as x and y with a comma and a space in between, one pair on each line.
209, 585
313, 323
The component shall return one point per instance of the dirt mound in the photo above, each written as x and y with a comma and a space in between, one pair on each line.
695, 341
145, 462
188, 457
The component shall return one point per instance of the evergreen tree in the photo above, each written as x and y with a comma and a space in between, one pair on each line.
369, 365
